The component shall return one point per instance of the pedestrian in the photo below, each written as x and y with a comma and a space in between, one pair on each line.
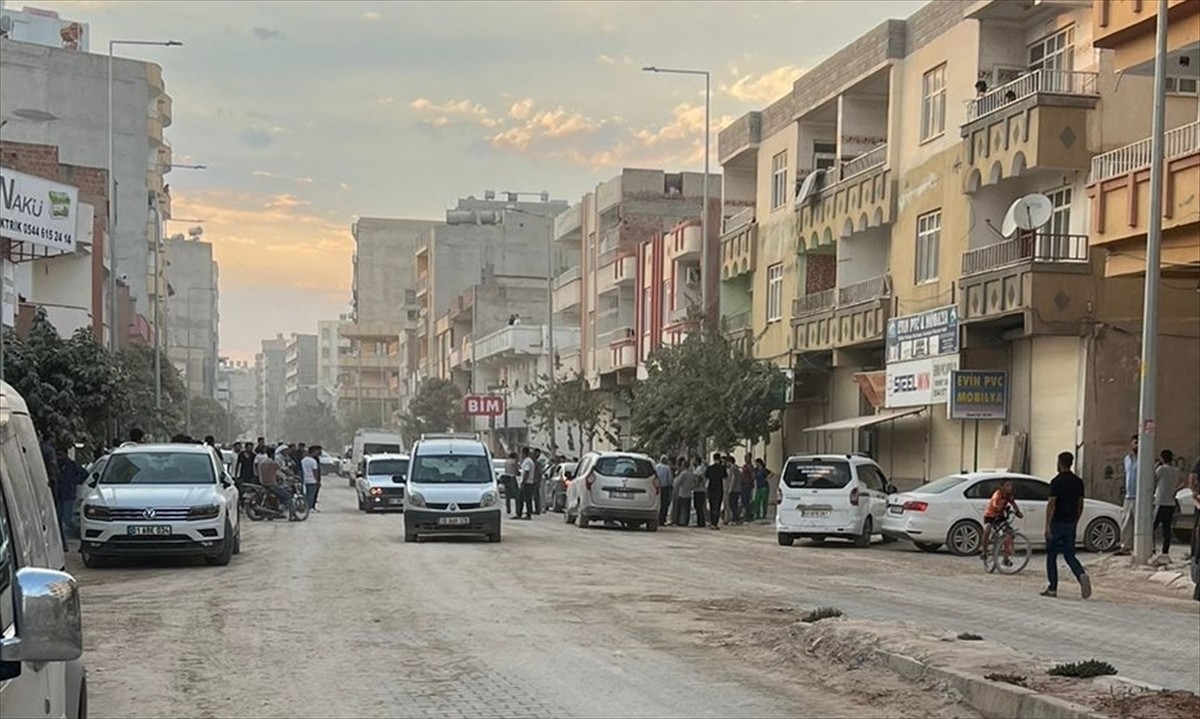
512, 490
539, 475
50, 460
762, 479
210, 440
528, 477
1168, 479
747, 487
733, 486
316, 455
699, 493
683, 486
1194, 485
243, 466
1129, 507
309, 466
714, 476
136, 436
663, 472
268, 474
70, 476
1062, 515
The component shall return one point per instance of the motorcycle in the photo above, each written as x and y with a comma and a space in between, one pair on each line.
259, 502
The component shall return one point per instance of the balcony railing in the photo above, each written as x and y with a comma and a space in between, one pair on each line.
1053, 82
738, 322
864, 291
1181, 141
567, 277
617, 335
869, 160
738, 220
1042, 248
816, 302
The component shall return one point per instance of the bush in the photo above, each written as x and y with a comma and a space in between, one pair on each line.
1083, 670
817, 615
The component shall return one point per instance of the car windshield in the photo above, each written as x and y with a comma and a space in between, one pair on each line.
370, 448
158, 468
816, 474
938, 486
390, 467
451, 469
624, 467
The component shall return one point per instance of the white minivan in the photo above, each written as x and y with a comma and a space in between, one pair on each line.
614, 487
41, 638
831, 495
451, 488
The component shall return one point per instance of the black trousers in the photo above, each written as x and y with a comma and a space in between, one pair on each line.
735, 511
715, 500
512, 494
683, 511
699, 500
1163, 516
664, 504
527, 494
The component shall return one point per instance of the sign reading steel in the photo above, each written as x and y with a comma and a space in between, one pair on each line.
37, 211
922, 351
978, 394
483, 405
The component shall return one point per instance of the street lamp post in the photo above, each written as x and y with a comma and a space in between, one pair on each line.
112, 188
553, 370
704, 273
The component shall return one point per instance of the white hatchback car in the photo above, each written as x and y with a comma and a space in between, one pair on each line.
382, 487
614, 486
161, 499
950, 511
831, 495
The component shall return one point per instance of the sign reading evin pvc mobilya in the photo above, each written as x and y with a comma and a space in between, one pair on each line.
922, 351
978, 394
37, 212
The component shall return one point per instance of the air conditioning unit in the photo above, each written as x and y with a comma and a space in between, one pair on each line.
692, 276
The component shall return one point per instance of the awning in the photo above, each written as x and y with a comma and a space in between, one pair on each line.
867, 421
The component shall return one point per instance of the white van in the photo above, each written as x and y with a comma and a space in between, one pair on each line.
451, 488
41, 638
831, 495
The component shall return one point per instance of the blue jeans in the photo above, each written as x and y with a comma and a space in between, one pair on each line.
1061, 541
310, 494
68, 523
285, 497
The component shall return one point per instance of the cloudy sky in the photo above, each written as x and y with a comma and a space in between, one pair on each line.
309, 114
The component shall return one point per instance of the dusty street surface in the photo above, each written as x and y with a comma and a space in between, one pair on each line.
338, 617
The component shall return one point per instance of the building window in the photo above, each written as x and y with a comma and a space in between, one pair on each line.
779, 177
933, 103
1054, 240
1183, 86
775, 292
929, 235
1054, 52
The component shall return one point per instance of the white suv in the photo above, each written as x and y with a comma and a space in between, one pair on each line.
382, 485
831, 495
451, 488
614, 486
161, 499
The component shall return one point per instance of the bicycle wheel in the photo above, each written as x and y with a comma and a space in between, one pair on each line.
989, 553
1016, 558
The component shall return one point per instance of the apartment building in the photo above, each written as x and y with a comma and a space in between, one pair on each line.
881, 254
270, 375
329, 347
69, 113
192, 319
237, 392
599, 295
668, 297
300, 378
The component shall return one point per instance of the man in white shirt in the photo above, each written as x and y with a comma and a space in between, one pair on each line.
309, 466
528, 484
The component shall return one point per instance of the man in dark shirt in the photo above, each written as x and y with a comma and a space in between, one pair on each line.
243, 468
1062, 514
715, 474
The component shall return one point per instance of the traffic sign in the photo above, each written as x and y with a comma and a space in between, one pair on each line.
483, 405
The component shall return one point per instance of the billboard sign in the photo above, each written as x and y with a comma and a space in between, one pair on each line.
919, 383
483, 405
38, 212
978, 394
926, 334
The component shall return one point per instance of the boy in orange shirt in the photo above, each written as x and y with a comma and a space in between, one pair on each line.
994, 514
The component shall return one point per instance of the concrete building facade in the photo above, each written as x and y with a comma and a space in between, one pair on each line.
237, 392
668, 300
329, 348
192, 321
270, 377
300, 380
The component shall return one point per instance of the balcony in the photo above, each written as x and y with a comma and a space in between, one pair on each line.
622, 271
164, 109
739, 251
1119, 188
686, 244
567, 290
422, 283
856, 197
853, 314
1038, 121
1046, 276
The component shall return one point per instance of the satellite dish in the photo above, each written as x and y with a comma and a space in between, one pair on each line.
1027, 213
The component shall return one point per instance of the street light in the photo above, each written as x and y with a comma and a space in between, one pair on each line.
112, 186
549, 312
704, 273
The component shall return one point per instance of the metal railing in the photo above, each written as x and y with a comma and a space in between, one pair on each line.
615, 335
865, 291
1181, 141
869, 160
1053, 82
815, 302
1043, 247
738, 220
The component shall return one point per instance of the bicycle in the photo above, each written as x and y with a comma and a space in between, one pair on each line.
1009, 551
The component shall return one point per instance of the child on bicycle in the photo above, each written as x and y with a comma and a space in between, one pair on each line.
1001, 499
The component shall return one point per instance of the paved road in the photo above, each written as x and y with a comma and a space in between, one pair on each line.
337, 617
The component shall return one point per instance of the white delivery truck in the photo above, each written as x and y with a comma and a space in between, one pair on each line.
374, 441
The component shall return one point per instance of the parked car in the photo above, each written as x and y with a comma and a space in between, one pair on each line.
614, 487
949, 511
831, 495
1184, 515
382, 487
41, 636
330, 466
451, 489
554, 489
161, 499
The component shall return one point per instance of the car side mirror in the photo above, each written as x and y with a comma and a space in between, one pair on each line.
49, 628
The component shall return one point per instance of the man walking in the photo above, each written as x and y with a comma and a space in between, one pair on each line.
1168, 479
243, 466
1062, 514
683, 488
309, 466
662, 471
1128, 509
715, 474
528, 477
512, 490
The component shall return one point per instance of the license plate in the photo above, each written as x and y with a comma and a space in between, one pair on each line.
157, 530
396, 500
814, 513
618, 494
454, 520
896, 509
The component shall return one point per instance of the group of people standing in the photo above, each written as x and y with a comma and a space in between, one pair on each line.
263, 464
722, 491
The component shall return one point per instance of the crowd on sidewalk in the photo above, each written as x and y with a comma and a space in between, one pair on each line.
721, 492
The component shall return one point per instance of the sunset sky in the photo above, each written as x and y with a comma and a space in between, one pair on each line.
310, 114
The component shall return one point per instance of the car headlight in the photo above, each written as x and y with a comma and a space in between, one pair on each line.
376, 491
489, 499
206, 511
94, 511
416, 500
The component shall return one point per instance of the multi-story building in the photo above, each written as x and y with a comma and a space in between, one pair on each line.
300, 380
192, 319
329, 345
70, 113
599, 295
270, 376
44, 27
237, 392
882, 252
668, 295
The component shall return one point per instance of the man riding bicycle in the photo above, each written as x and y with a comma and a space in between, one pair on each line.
1001, 500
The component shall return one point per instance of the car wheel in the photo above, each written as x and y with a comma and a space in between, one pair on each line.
863, 540
583, 521
237, 540
964, 538
652, 525
785, 540
930, 547
494, 537
226, 554
1101, 535
568, 518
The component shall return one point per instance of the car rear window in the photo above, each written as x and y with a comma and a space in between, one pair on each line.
624, 467
816, 474
387, 466
938, 486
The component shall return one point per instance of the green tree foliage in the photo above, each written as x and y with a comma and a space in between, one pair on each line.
436, 407
210, 418
137, 370
703, 390
313, 422
573, 405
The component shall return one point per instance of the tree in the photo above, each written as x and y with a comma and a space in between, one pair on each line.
704, 390
136, 365
208, 417
436, 407
313, 422
572, 403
